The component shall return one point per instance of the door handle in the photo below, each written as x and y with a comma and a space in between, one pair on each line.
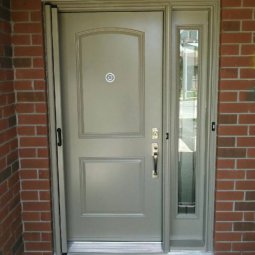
154, 149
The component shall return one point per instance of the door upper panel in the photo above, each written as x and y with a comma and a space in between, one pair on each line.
110, 61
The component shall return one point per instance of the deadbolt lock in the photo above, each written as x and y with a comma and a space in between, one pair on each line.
154, 134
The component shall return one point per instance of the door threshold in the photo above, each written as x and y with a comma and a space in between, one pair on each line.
115, 248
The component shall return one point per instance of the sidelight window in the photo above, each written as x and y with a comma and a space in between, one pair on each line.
187, 114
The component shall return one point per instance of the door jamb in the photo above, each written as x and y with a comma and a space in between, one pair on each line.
51, 9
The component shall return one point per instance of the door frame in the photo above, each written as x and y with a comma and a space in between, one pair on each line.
51, 9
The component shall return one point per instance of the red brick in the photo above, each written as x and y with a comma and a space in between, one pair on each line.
44, 195
25, 108
27, 153
250, 174
248, 3
226, 141
229, 49
224, 206
30, 216
227, 96
21, 39
26, 5
247, 73
251, 153
230, 26
29, 73
231, 152
228, 73
229, 216
246, 96
245, 141
41, 107
36, 16
26, 131
32, 119
249, 216
230, 3
34, 163
229, 195
248, 25
38, 246
236, 14
35, 185
246, 163
37, 226
222, 246
44, 174
39, 84
248, 49
223, 226
245, 185
18, 16
225, 185
28, 28
23, 85
30, 51
38, 62
233, 108
31, 96
236, 84
244, 246
33, 141
28, 174
46, 236
29, 195
244, 61
37, 39
235, 38
230, 174
22, 62
46, 216
249, 237
227, 119
36, 206
228, 236
247, 119
41, 130
232, 130
30, 236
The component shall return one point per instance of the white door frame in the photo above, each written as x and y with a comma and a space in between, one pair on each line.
51, 10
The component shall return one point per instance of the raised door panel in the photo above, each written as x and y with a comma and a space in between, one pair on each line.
110, 70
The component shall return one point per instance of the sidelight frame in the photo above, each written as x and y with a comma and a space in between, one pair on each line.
51, 9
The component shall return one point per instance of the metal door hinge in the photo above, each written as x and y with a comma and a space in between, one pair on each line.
167, 136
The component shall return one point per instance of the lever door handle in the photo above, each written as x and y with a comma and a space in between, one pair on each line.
154, 147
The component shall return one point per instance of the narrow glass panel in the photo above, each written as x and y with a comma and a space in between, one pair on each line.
188, 107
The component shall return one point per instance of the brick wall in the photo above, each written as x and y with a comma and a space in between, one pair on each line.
235, 196
10, 209
29, 76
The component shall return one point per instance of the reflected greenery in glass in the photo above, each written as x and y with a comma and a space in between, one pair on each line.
188, 97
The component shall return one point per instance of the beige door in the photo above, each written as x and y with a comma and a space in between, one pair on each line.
111, 65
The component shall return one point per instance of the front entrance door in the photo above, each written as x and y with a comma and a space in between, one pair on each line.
111, 78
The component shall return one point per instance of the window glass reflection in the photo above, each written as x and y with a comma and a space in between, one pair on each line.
188, 107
